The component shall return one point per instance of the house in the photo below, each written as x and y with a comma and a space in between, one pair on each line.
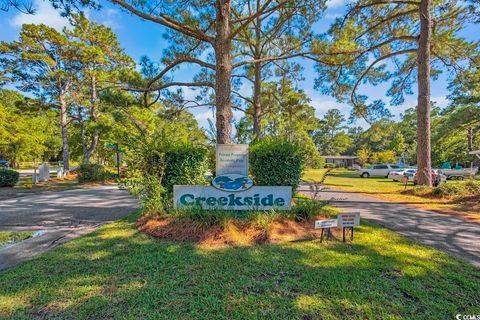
341, 161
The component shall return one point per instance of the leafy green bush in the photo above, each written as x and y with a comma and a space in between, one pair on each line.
313, 159
149, 191
447, 190
276, 162
185, 165
473, 186
8, 178
88, 172
306, 209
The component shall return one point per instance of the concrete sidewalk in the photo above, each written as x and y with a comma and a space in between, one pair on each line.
458, 237
61, 215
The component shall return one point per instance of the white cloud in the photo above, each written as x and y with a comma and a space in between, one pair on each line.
335, 3
441, 101
111, 17
323, 105
332, 16
203, 116
44, 13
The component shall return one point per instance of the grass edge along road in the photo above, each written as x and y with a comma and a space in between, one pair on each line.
386, 189
118, 272
7, 237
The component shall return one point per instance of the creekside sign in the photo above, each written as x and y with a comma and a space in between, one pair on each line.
232, 189
255, 198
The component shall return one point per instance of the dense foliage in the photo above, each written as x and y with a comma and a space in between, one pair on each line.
186, 164
276, 162
8, 178
467, 188
27, 130
88, 172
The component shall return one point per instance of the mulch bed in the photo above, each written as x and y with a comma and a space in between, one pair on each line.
234, 233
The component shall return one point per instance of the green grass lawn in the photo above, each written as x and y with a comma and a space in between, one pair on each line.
9, 236
391, 190
119, 273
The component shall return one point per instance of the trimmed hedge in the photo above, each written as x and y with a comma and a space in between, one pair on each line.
185, 164
276, 162
8, 178
88, 172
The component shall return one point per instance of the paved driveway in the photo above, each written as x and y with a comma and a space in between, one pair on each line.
60, 216
456, 236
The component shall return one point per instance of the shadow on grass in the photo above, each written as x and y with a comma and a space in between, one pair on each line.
117, 272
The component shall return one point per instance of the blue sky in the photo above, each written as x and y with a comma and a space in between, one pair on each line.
145, 38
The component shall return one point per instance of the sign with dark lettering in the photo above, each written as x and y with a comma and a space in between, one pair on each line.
323, 224
232, 159
255, 198
348, 220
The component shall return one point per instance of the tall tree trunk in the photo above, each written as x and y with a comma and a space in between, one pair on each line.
93, 117
223, 74
257, 81
423, 109
82, 130
64, 124
82, 137
257, 107
470, 138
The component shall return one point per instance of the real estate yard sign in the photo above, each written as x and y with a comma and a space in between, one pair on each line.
348, 220
232, 189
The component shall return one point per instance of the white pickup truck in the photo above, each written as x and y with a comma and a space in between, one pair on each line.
377, 170
460, 174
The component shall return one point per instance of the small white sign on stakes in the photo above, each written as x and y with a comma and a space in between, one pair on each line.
348, 220
323, 224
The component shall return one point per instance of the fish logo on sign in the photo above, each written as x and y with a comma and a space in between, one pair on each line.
232, 182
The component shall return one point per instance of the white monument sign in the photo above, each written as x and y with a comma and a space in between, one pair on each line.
232, 189
255, 198
232, 158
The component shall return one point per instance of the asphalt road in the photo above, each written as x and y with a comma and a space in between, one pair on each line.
61, 216
453, 235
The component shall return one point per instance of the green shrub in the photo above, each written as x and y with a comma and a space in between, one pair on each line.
8, 178
276, 162
473, 186
306, 209
88, 172
447, 190
313, 159
185, 165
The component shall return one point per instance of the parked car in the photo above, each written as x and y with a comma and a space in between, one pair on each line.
438, 177
4, 164
400, 174
377, 170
